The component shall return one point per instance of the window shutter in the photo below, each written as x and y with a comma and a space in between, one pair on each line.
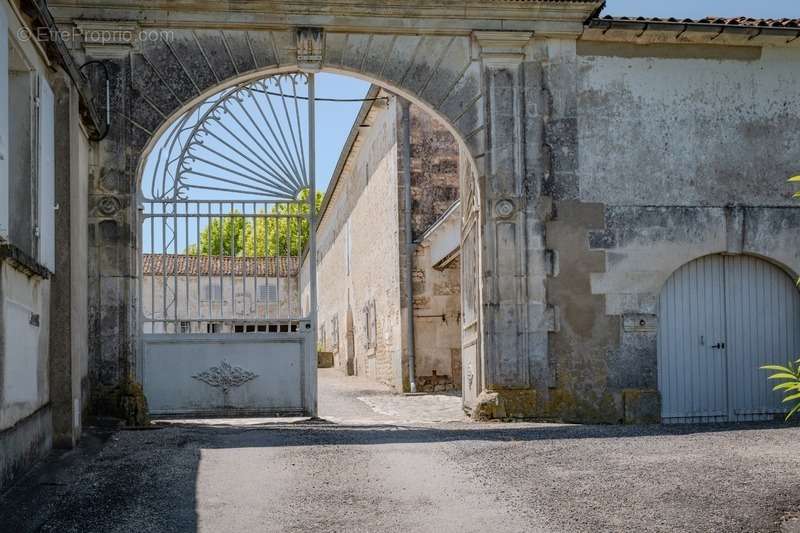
47, 198
3, 126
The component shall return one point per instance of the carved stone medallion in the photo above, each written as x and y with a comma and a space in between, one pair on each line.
504, 208
109, 205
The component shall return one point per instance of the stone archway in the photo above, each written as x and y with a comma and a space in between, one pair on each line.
482, 84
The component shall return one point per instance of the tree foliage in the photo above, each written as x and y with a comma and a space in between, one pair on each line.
287, 233
795, 179
789, 376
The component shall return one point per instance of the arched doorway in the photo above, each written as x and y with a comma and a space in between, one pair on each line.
239, 155
226, 212
473, 81
721, 318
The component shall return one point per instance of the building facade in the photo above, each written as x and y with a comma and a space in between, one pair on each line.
607, 167
219, 294
47, 129
362, 253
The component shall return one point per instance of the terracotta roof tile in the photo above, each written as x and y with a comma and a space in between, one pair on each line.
192, 265
716, 21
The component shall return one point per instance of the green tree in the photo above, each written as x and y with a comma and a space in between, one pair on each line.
225, 236
286, 233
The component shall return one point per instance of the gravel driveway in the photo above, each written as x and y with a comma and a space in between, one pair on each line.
449, 477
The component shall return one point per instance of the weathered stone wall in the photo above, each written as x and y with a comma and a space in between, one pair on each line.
359, 256
675, 152
364, 216
69, 357
434, 170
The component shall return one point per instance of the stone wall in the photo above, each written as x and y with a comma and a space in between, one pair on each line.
358, 268
675, 152
69, 342
363, 219
434, 170
437, 323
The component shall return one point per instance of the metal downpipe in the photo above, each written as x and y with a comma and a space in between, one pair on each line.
405, 128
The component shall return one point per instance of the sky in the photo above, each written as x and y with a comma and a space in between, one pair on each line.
335, 119
704, 8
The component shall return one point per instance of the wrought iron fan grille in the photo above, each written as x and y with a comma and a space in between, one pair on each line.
228, 212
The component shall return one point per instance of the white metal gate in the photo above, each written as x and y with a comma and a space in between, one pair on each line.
721, 318
227, 217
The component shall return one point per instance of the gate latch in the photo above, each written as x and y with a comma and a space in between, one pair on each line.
719, 346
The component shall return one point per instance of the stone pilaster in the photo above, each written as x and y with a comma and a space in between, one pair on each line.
67, 296
113, 230
505, 300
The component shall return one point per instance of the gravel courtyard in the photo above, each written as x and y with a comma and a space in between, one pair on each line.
426, 476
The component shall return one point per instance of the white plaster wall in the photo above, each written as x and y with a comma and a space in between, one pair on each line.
24, 354
667, 143
25, 346
663, 131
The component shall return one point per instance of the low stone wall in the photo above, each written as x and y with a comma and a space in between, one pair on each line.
437, 383
23, 444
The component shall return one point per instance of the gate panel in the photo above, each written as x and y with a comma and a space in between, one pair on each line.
219, 375
691, 358
763, 312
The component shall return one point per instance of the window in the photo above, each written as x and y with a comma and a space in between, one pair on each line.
322, 341
213, 292
27, 174
370, 326
335, 333
268, 293
213, 327
185, 327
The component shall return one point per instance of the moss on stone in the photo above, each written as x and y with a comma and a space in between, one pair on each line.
130, 404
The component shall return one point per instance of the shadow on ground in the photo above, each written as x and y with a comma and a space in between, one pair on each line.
319, 432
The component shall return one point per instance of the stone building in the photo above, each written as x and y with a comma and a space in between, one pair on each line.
48, 127
608, 168
362, 253
218, 294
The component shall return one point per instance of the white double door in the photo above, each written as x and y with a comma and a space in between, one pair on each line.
721, 318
